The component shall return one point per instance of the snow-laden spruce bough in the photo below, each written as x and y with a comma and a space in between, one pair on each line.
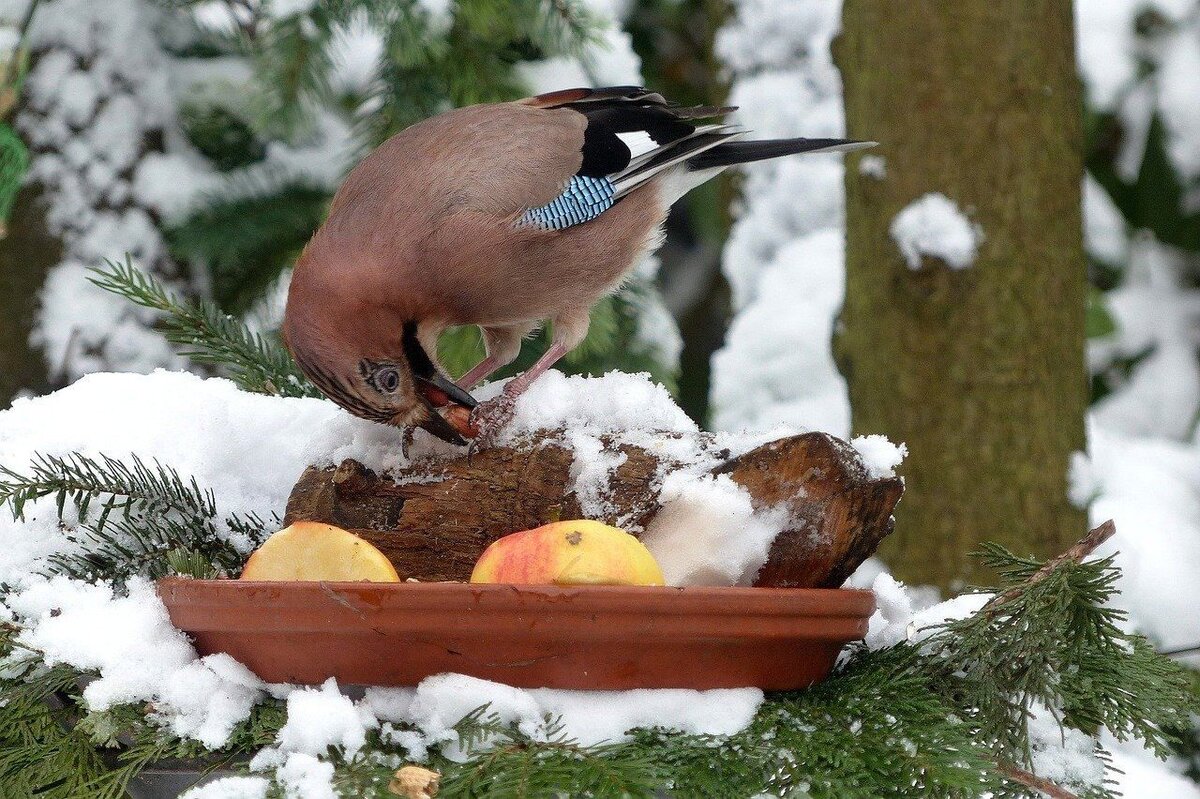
942, 710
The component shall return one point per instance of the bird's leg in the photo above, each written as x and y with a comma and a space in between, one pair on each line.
569, 330
479, 372
503, 346
494, 414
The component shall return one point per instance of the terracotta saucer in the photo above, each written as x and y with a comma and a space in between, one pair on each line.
593, 637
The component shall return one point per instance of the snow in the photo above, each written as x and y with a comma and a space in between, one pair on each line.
138, 655
1062, 755
95, 105
319, 718
934, 226
129, 640
1148, 487
1104, 228
709, 533
880, 456
784, 258
1157, 319
614, 404
589, 717
248, 448
776, 367
305, 777
901, 615
290, 8
1138, 773
1179, 84
230, 788
210, 695
873, 166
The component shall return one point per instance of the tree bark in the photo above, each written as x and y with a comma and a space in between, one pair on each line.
433, 521
980, 370
26, 254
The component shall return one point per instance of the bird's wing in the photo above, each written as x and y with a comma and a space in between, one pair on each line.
631, 135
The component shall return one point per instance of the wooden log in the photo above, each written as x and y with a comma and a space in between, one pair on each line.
434, 520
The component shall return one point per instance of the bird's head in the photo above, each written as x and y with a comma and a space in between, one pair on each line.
397, 385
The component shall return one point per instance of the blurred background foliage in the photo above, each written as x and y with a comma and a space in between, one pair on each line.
239, 241
247, 241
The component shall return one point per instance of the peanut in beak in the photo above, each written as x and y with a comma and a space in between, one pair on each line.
459, 418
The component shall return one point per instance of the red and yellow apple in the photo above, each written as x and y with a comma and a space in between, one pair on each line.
312, 551
578, 552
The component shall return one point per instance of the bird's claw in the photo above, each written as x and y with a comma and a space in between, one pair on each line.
490, 418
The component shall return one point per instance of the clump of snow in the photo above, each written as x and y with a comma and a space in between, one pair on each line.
1064, 756
138, 655
1148, 487
1178, 86
209, 697
934, 226
709, 533
1136, 772
230, 788
610, 405
319, 718
303, 776
1156, 325
901, 617
248, 448
873, 166
777, 366
880, 456
129, 639
590, 717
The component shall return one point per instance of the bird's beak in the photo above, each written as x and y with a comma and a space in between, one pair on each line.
440, 390
449, 409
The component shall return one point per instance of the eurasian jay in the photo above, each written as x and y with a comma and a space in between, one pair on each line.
503, 216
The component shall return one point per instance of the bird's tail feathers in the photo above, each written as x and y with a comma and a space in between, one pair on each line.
643, 168
744, 152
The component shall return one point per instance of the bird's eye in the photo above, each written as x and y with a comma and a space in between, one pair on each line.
388, 380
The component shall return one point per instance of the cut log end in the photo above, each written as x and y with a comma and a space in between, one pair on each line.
433, 523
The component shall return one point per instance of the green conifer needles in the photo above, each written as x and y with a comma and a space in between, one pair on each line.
205, 334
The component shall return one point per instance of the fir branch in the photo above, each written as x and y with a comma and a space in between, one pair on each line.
1076, 553
1031, 780
41, 754
163, 524
129, 487
254, 361
1053, 638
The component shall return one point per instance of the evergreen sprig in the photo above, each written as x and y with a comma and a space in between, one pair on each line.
129, 487
150, 520
254, 361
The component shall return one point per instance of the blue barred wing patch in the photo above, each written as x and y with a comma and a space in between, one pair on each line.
584, 198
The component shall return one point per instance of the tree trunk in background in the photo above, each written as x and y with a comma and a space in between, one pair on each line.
980, 370
26, 254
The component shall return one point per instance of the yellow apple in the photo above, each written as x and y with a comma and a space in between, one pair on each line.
312, 551
568, 553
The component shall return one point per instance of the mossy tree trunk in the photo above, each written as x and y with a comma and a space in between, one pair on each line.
26, 254
980, 370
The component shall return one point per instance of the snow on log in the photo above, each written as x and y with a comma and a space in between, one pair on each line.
434, 519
